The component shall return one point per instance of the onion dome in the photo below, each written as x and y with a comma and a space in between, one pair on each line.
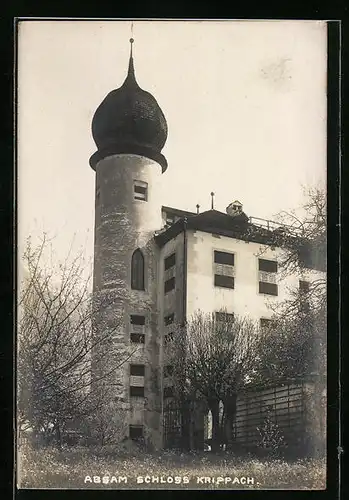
129, 121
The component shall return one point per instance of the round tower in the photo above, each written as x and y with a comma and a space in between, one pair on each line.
129, 130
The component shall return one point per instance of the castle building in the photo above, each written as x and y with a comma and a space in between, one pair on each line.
158, 265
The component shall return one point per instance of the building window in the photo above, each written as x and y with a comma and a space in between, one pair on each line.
304, 286
136, 431
169, 319
140, 190
223, 281
268, 266
137, 370
98, 195
137, 270
136, 319
223, 317
136, 392
137, 338
267, 323
168, 371
268, 288
170, 261
223, 258
168, 392
170, 284
267, 276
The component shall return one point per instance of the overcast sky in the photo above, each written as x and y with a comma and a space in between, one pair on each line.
245, 104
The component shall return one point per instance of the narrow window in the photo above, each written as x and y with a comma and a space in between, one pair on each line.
170, 284
136, 431
223, 281
223, 258
169, 319
136, 391
137, 370
137, 270
140, 190
267, 276
170, 261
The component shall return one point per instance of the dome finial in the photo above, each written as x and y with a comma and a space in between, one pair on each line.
131, 70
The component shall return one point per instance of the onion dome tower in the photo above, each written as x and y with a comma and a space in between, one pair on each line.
129, 130
129, 120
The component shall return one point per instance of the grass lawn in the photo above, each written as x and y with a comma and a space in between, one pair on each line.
83, 468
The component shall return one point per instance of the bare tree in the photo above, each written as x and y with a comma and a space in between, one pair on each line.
56, 343
213, 357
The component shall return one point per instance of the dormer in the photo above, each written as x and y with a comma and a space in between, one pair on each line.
234, 208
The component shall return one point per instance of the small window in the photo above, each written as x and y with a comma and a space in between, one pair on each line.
137, 270
268, 288
268, 266
304, 286
169, 319
266, 323
136, 391
137, 338
140, 190
223, 258
136, 319
136, 431
168, 392
170, 261
168, 371
137, 370
98, 194
223, 281
223, 316
170, 284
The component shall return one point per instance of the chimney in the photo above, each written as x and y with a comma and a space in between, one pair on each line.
234, 208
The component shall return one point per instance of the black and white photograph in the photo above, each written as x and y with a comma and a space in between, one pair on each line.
171, 260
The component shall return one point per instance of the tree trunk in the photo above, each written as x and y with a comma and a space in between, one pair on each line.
214, 407
230, 412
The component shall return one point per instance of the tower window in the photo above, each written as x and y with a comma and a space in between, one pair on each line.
136, 319
136, 431
170, 284
137, 338
140, 190
137, 270
137, 392
170, 261
137, 370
